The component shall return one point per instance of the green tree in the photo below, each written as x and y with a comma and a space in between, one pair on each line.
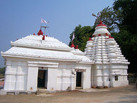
82, 35
127, 11
2, 70
128, 45
109, 17
128, 30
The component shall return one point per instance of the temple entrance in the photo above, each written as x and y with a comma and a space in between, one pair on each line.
42, 78
78, 79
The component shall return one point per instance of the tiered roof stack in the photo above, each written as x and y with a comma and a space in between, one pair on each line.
102, 48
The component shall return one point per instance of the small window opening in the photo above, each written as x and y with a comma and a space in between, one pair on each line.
116, 77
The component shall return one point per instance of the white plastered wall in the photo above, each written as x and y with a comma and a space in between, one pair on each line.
32, 79
52, 79
104, 75
22, 75
86, 75
87, 78
65, 77
15, 75
33, 67
100, 75
121, 71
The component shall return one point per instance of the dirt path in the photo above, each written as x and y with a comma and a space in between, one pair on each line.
113, 95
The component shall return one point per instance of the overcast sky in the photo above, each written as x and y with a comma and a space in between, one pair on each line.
19, 18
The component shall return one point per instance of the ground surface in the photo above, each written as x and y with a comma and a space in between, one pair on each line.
112, 95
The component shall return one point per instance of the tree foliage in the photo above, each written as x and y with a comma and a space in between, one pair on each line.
128, 12
82, 34
109, 17
127, 37
2, 70
128, 45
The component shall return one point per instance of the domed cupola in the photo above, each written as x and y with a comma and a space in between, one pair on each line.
101, 29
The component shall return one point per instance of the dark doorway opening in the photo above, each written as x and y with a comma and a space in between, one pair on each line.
116, 77
78, 79
42, 78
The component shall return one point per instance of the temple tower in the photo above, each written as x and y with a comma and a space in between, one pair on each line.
110, 66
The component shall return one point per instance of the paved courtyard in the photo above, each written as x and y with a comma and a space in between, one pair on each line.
126, 94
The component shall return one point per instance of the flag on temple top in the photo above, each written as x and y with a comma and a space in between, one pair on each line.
43, 21
73, 36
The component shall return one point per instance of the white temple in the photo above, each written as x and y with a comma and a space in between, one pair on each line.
38, 61
110, 66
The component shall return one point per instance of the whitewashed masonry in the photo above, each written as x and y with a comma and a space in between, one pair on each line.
38, 61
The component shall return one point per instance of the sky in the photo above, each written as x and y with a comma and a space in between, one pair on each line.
19, 18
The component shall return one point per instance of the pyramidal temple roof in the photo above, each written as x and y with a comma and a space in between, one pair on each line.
102, 48
46, 48
35, 41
